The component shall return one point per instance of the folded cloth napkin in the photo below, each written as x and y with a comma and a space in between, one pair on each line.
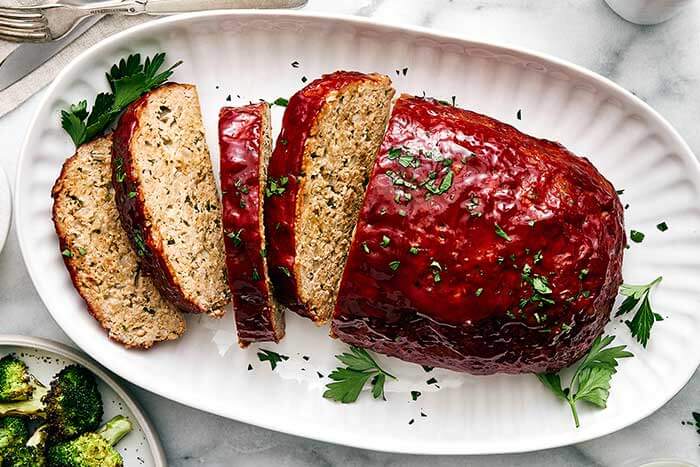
14, 95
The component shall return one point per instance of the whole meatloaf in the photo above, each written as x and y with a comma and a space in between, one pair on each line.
245, 146
96, 251
167, 198
479, 248
331, 131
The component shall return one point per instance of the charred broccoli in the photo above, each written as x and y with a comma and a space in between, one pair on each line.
15, 380
73, 404
32, 454
13, 432
20, 392
92, 449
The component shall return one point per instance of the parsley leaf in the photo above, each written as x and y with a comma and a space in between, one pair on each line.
128, 80
273, 357
501, 233
276, 187
359, 368
644, 318
281, 101
591, 381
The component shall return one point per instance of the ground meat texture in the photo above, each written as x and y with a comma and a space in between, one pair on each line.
167, 198
331, 132
479, 248
96, 252
245, 146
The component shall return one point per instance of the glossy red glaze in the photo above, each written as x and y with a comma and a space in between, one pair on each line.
131, 209
241, 133
468, 299
287, 161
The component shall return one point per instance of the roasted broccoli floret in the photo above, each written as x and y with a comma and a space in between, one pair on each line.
15, 380
13, 432
73, 404
32, 454
92, 449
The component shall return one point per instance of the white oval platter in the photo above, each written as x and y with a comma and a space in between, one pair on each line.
249, 56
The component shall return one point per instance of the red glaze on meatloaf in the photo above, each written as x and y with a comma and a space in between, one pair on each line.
287, 161
479, 248
244, 142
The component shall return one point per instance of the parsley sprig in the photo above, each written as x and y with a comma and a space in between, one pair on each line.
128, 80
359, 368
645, 317
591, 381
274, 358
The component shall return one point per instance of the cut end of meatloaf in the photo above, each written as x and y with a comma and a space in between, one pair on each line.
96, 251
168, 200
338, 157
245, 147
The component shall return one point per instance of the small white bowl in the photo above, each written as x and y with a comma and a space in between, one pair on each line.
45, 358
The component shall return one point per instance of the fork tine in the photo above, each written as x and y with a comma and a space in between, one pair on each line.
24, 35
22, 24
20, 13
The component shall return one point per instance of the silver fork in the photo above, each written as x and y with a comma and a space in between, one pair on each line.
43, 23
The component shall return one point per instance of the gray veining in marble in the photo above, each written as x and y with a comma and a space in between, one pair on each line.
661, 64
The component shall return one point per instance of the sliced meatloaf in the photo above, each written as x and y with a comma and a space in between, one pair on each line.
167, 198
245, 145
331, 131
96, 251
479, 248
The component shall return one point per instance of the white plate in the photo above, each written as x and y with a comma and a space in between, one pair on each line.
249, 55
45, 358
5, 208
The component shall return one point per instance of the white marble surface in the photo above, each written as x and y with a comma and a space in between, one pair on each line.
661, 64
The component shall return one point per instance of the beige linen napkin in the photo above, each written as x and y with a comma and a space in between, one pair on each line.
24, 88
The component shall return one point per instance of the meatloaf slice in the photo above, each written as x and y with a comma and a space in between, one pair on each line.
331, 131
167, 198
103, 268
245, 144
479, 248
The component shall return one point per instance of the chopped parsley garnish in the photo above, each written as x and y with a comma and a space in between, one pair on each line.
404, 159
591, 381
415, 395
385, 241
67, 253
141, 248
413, 250
295, 64
540, 286
119, 170
276, 187
662, 226
274, 358
285, 271
636, 236
427, 368
644, 318
519, 115
501, 233
263, 252
236, 237
479, 291
128, 80
281, 101
255, 275
394, 265
348, 381
583, 274
397, 179
131, 194
365, 247
696, 418
538, 257
437, 269
619, 192
445, 184
431, 381
82, 251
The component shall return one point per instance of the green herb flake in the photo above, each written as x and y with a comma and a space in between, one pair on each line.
415, 395
131, 195
398, 180
274, 358
501, 233
236, 237
281, 101
636, 236
255, 275
583, 274
385, 241
413, 250
82, 251
445, 184
276, 187
285, 271
67, 253
394, 265
662, 226
479, 291
365, 247
538, 257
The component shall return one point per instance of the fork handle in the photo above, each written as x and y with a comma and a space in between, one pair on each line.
168, 7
